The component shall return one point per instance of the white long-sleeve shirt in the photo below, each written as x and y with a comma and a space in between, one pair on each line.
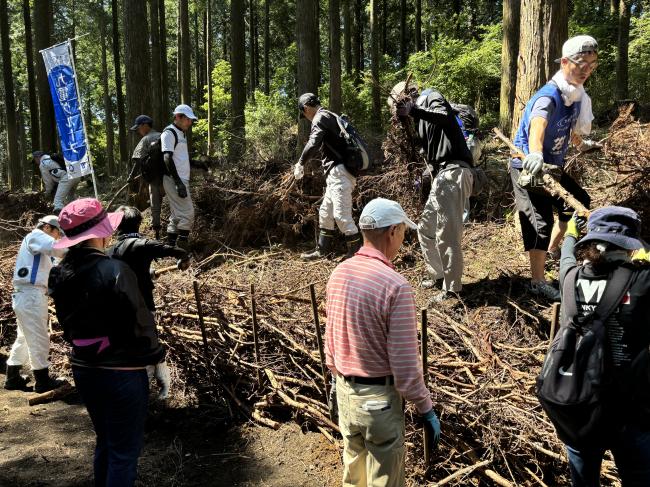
51, 172
35, 259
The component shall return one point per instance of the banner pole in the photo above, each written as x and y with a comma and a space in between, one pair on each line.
83, 121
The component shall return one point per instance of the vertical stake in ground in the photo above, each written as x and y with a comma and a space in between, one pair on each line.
256, 342
314, 307
199, 311
425, 373
555, 318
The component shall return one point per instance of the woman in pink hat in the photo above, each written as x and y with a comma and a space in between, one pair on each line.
113, 337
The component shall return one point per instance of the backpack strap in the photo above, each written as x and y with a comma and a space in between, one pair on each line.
618, 283
569, 293
170, 129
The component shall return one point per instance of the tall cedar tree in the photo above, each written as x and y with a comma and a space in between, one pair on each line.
157, 112
42, 40
185, 52
308, 53
35, 128
119, 94
237, 76
208, 69
622, 49
347, 36
108, 104
267, 47
509, 50
335, 56
374, 64
252, 55
14, 164
357, 41
402, 34
164, 69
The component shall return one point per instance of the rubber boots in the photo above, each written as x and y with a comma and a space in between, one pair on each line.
353, 242
171, 239
183, 240
325, 243
14, 381
44, 382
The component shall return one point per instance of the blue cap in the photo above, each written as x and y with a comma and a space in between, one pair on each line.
141, 120
617, 225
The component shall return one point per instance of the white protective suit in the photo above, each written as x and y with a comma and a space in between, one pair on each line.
57, 181
336, 208
29, 300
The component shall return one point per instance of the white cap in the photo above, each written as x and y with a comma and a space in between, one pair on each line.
382, 213
185, 110
51, 220
579, 44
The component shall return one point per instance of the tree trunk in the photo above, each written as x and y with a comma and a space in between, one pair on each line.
357, 42
14, 165
35, 130
533, 66
119, 94
402, 33
613, 8
418, 25
208, 69
347, 37
198, 64
556, 31
45, 107
136, 58
374, 65
108, 108
267, 48
308, 53
251, 49
384, 27
238, 76
335, 56
186, 53
164, 69
622, 50
509, 50
157, 112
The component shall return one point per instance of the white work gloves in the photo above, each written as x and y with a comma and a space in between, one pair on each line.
298, 171
533, 162
587, 145
163, 378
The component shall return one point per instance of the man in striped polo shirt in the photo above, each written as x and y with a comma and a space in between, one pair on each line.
371, 347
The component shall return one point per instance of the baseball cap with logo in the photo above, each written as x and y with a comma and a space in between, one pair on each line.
578, 45
382, 213
84, 219
185, 110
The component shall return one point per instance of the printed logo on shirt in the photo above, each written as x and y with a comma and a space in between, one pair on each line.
591, 289
22, 272
626, 299
564, 122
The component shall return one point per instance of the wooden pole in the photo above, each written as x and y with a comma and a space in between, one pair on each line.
256, 342
551, 185
319, 339
199, 311
53, 395
425, 373
555, 318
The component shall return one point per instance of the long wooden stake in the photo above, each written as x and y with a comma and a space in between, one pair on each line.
256, 342
551, 185
319, 339
425, 373
199, 311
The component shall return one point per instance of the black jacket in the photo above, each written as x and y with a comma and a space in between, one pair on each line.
441, 136
138, 253
326, 135
102, 312
628, 336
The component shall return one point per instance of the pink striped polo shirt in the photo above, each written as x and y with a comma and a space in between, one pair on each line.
372, 327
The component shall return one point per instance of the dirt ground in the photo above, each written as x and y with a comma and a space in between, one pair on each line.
51, 445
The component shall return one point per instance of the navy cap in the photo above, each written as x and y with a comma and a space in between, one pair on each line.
141, 120
37, 153
616, 225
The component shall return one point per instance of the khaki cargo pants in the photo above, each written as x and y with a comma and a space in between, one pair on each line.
371, 419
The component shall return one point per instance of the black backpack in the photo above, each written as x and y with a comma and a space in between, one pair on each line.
574, 383
58, 158
152, 164
355, 156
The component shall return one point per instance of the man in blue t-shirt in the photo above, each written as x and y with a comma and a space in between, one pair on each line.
560, 111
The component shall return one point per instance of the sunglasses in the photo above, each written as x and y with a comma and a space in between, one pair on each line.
584, 65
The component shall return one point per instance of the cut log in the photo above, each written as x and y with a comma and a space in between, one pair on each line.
53, 395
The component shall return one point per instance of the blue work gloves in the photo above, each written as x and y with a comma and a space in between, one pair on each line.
533, 162
432, 423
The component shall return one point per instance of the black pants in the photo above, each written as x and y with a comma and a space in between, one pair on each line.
536, 210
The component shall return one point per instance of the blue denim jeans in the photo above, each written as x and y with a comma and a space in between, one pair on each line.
631, 451
116, 401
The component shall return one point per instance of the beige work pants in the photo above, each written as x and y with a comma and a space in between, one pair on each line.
371, 419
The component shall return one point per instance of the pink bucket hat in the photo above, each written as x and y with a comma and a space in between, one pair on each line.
84, 219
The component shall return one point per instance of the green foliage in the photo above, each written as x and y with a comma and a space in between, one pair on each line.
639, 67
221, 108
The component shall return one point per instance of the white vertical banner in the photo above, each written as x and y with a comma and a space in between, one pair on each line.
59, 64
